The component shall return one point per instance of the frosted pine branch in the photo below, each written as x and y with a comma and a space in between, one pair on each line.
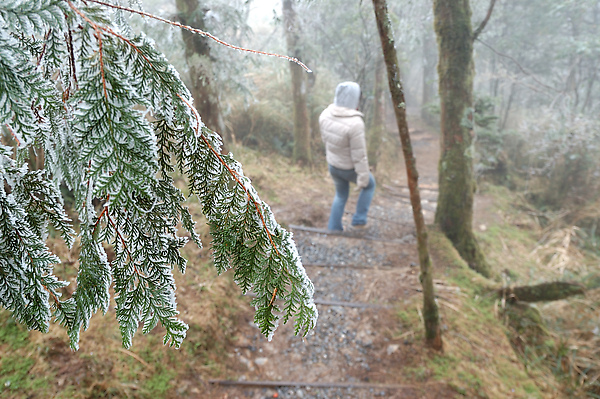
97, 140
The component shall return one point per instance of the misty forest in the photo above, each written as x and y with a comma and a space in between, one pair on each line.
299, 199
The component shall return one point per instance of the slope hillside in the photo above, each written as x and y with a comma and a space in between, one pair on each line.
369, 339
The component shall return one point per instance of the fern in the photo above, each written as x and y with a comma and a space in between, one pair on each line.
79, 88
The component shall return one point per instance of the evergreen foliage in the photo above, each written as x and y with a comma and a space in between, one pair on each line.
114, 122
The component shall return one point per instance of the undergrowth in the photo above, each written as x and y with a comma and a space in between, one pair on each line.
494, 349
556, 341
478, 360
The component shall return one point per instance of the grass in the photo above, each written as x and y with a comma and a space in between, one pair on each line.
12, 333
511, 244
16, 377
160, 382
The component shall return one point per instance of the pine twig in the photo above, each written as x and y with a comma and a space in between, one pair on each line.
99, 37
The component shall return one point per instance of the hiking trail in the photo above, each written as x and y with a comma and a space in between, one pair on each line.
355, 351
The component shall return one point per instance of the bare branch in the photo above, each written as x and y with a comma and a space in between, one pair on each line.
485, 20
519, 66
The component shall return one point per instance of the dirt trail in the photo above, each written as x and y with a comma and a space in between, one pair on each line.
355, 347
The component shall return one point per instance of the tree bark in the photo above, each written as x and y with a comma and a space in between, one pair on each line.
302, 152
544, 292
506, 111
433, 335
454, 214
377, 128
199, 61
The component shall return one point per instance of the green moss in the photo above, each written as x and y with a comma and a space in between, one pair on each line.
531, 388
443, 365
518, 379
527, 322
15, 377
470, 379
148, 352
445, 250
69, 392
160, 382
404, 317
12, 333
468, 375
473, 382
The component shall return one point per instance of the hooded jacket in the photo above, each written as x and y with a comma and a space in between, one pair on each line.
343, 132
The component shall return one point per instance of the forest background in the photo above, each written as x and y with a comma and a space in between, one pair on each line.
535, 120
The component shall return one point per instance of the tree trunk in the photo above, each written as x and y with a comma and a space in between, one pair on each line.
197, 55
429, 62
590, 86
302, 153
506, 111
377, 129
454, 214
433, 335
544, 292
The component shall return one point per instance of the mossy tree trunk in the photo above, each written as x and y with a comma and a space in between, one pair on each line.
544, 292
302, 151
433, 335
454, 214
198, 59
377, 128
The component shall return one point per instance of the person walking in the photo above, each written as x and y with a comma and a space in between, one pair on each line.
343, 132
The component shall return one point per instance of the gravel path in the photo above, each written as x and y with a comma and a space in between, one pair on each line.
352, 342
358, 282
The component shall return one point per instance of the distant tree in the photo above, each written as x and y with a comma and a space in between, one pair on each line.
534, 61
200, 64
433, 334
347, 45
377, 125
454, 213
291, 25
429, 63
79, 86
344, 48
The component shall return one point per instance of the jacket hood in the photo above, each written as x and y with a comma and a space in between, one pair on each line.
347, 94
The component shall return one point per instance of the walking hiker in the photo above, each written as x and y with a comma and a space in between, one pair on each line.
343, 132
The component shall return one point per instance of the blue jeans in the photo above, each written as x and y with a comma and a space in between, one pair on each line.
341, 179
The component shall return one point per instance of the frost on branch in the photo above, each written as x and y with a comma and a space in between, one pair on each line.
72, 85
